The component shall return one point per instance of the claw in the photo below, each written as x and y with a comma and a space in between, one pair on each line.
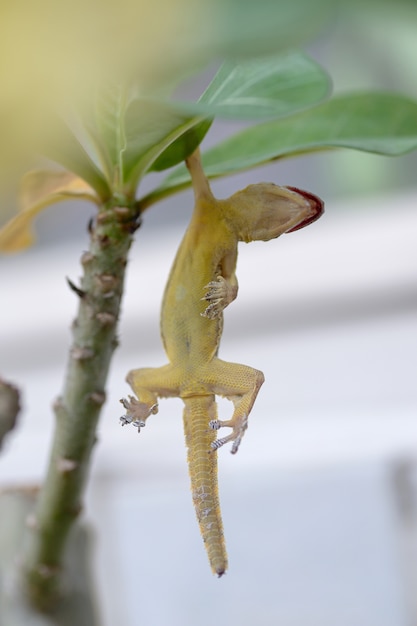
125, 419
136, 412
216, 296
215, 445
236, 444
139, 424
235, 436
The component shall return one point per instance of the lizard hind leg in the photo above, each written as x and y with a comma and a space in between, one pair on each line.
240, 384
149, 384
137, 412
237, 424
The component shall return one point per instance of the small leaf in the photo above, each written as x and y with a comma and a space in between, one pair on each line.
266, 87
62, 146
109, 119
372, 122
151, 126
182, 147
39, 189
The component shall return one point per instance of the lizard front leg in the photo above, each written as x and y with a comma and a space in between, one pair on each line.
220, 293
240, 384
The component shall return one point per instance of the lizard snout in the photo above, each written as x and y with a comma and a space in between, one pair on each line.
316, 204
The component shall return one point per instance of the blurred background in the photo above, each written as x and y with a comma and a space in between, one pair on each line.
319, 506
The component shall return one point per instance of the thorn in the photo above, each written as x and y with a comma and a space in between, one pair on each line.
90, 226
58, 404
107, 283
86, 258
122, 211
47, 571
104, 240
76, 510
80, 292
106, 319
32, 522
130, 222
108, 280
65, 466
102, 217
135, 224
98, 397
81, 354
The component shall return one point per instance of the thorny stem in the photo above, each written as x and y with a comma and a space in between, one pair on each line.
78, 409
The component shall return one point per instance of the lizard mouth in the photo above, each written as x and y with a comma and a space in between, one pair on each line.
316, 204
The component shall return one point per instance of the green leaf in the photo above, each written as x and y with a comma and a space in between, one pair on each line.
151, 126
62, 146
141, 134
373, 122
245, 28
109, 121
266, 87
182, 147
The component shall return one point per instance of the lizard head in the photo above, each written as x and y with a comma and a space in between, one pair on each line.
266, 211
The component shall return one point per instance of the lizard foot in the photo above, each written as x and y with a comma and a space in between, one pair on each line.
219, 294
136, 412
239, 427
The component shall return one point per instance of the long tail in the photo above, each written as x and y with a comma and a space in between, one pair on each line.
202, 464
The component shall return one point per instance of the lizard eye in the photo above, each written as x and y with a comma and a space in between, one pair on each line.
316, 204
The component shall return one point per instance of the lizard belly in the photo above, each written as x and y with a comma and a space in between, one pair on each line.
190, 342
188, 337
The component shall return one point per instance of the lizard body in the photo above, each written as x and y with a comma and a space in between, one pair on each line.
201, 284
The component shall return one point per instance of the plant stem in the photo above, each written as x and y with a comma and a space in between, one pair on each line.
78, 409
78, 607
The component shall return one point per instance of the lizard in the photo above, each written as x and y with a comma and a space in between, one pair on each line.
201, 284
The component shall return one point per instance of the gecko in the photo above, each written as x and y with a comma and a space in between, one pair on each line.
202, 283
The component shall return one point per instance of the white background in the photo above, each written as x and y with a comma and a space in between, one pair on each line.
314, 535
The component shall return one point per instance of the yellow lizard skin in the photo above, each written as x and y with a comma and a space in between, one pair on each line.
201, 284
